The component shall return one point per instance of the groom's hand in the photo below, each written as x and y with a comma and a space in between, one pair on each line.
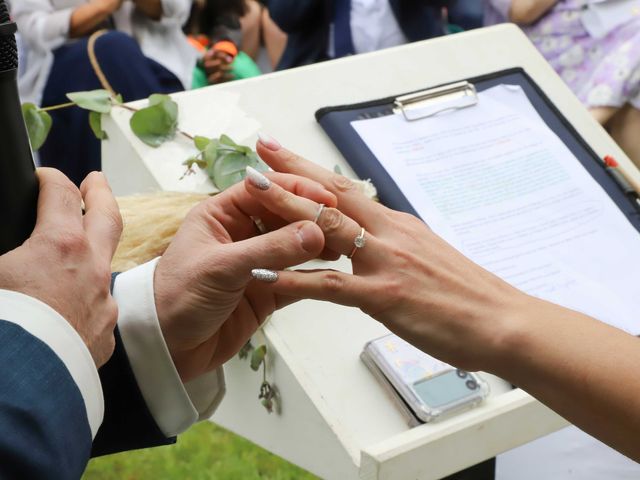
207, 304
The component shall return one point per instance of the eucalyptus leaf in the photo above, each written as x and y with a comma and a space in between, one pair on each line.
229, 170
201, 143
210, 153
94, 100
95, 121
267, 403
158, 98
156, 123
226, 140
257, 357
245, 150
38, 125
190, 162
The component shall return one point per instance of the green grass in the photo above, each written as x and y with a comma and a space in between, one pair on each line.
204, 452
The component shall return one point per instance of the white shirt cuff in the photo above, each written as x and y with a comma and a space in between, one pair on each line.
44, 323
175, 406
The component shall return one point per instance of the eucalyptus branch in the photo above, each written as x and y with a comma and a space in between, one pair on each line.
58, 107
134, 110
221, 158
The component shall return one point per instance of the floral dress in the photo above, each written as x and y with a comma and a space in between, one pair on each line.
603, 72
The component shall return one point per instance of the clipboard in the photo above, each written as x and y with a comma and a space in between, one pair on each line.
336, 122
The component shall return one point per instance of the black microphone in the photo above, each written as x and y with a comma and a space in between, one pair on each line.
18, 181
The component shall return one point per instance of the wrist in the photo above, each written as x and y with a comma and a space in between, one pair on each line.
515, 329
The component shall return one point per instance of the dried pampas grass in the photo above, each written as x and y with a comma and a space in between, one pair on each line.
150, 223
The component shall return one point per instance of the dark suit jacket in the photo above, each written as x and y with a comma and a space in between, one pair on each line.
44, 430
307, 24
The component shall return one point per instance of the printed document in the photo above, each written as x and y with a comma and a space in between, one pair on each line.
495, 182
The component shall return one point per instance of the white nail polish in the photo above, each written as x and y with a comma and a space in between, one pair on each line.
269, 142
257, 179
264, 275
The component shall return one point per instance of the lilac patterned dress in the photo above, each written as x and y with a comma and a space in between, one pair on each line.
602, 72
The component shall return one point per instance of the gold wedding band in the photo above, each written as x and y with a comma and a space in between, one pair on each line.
358, 242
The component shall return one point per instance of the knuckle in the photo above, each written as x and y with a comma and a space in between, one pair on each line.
114, 221
342, 183
207, 210
283, 198
112, 314
103, 278
333, 282
407, 222
392, 287
331, 221
289, 157
68, 243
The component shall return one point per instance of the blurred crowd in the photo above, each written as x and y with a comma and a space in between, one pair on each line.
162, 46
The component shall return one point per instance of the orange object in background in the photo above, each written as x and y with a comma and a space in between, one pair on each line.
199, 42
227, 47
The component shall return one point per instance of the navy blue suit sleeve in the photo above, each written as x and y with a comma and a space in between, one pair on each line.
43, 421
128, 424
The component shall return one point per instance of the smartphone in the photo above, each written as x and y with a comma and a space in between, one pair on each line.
429, 388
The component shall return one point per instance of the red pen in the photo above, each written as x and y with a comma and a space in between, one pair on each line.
629, 185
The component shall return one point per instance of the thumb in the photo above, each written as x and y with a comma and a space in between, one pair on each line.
287, 247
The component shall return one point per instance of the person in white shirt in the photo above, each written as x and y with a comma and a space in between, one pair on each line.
140, 50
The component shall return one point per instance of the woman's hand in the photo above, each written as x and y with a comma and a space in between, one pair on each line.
207, 304
405, 276
431, 295
217, 65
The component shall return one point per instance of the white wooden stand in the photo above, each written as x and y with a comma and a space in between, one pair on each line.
336, 421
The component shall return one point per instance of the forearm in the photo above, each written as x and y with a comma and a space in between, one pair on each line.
524, 12
583, 369
150, 8
86, 18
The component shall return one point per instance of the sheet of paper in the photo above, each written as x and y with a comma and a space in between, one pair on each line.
499, 185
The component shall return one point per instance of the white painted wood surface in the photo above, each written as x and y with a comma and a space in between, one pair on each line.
336, 421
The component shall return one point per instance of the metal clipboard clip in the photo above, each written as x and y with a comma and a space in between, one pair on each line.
428, 103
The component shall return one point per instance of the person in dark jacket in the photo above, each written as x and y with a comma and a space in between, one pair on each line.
323, 29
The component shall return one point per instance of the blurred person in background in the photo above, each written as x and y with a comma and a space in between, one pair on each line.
229, 34
321, 30
601, 66
142, 51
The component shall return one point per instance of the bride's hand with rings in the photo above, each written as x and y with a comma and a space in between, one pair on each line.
427, 292
404, 275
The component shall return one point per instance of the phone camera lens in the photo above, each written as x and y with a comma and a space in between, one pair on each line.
461, 373
472, 384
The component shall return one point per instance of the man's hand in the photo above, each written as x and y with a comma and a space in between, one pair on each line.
66, 262
207, 303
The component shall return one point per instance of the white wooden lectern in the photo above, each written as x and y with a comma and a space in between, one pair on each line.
336, 421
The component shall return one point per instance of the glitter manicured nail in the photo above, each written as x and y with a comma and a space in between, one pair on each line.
264, 275
257, 179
